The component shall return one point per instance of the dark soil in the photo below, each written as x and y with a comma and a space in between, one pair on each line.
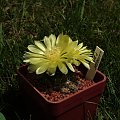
55, 96
60, 86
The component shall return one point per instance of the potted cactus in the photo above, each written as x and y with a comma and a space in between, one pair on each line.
53, 80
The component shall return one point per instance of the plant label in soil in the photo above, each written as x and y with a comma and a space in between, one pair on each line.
94, 66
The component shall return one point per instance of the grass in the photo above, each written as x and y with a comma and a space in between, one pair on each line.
94, 22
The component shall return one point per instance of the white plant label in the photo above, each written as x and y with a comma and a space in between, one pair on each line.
94, 66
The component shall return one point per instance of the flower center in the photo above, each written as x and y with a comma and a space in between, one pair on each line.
53, 54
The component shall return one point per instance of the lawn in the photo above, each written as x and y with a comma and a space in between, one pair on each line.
94, 22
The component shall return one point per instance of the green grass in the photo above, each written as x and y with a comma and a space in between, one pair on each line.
94, 22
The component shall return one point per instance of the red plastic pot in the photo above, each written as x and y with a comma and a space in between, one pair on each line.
79, 106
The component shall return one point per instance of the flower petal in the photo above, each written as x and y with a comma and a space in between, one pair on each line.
85, 64
36, 60
33, 49
40, 45
70, 40
76, 62
85, 57
62, 68
30, 55
70, 67
26, 61
51, 70
83, 48
47, 42
42, 69
85, 51
62, 41
32, 68
52, 39
80, 46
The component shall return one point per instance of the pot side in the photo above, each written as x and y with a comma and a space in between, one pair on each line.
78, 106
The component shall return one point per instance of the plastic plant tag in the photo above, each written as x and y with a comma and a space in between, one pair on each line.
94, 66
2, 117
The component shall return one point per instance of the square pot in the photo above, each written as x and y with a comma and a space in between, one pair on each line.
78, 106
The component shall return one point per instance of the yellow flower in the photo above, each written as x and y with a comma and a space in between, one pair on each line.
79, 54
60, 52
48, 56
